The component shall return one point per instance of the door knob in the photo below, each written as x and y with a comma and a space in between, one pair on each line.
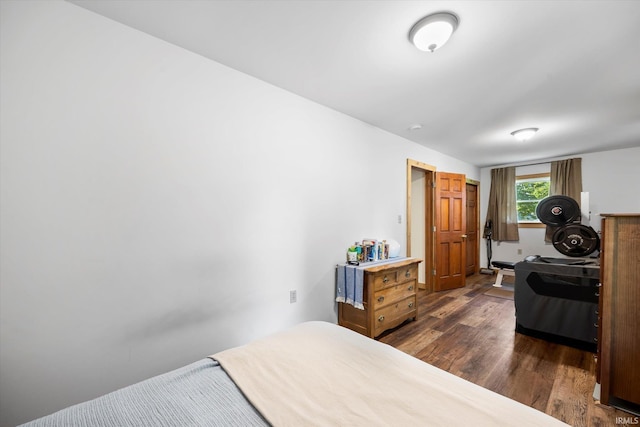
464, 236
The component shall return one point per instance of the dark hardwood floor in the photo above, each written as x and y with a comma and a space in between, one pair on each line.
471, 335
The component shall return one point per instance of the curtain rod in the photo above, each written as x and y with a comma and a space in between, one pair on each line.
534, 164
517, 166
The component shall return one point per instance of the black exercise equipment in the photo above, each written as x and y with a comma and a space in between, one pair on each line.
570, 237
488, 230
558, 210
576, 240
556, 299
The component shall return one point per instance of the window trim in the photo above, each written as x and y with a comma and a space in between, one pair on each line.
532, 176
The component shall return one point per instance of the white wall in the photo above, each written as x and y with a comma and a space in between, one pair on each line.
158, 207
610, 178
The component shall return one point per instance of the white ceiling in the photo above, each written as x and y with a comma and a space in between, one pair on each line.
571, 68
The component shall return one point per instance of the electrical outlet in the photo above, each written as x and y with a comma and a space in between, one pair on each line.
519, 251
399, 219
293, 296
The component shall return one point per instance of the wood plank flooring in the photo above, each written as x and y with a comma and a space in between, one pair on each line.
472, 335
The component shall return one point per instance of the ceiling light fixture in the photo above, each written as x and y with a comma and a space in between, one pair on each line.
524, 134
433, 31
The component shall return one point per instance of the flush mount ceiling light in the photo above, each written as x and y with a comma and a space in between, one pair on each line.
524, 134
433, 31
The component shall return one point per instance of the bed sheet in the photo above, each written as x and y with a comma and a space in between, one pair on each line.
199, 394
321, 374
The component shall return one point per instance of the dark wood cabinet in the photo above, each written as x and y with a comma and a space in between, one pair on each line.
618, 367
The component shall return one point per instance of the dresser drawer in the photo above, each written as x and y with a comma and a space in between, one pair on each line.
394, 293
391, 277
394, 314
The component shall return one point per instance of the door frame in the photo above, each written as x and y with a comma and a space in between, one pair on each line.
429, 219
478, 229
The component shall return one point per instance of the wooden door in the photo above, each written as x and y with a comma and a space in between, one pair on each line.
472, 229
451, 224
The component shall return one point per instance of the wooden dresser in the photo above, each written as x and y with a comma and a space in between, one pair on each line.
618, 362
389, 298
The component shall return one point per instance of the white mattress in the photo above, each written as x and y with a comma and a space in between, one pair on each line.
321, 374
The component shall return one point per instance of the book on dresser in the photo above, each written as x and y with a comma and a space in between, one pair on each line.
389, 297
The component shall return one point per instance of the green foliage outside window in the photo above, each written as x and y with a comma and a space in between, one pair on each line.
528, 193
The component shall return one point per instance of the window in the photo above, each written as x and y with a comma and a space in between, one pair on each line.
530, 189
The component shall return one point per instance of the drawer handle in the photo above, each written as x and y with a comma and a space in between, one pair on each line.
385, 280
595, 339
597, 294
596, 325
410, 288
380, 299
410, 305
599, 285
381, 319
407, 273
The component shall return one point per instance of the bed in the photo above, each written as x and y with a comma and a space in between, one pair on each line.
314, 374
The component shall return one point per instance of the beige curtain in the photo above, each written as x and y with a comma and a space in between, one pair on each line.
565, 180
502, 209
